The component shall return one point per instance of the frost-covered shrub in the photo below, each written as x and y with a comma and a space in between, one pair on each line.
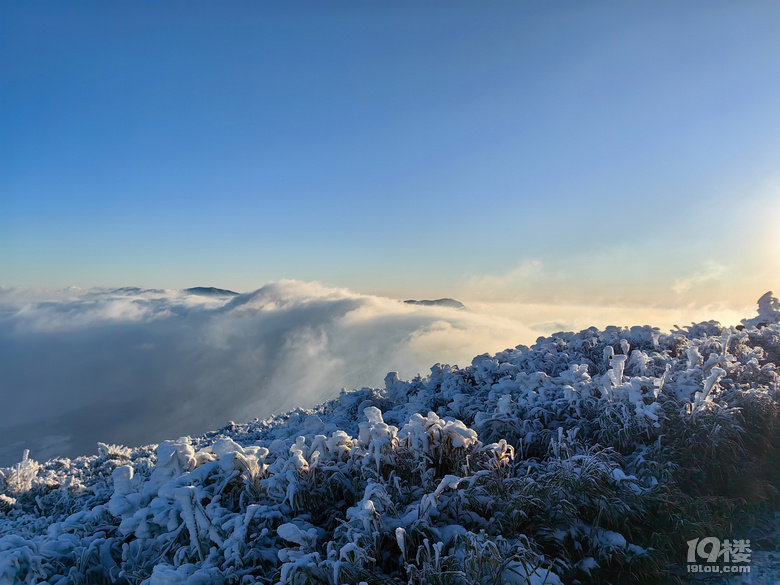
19, 478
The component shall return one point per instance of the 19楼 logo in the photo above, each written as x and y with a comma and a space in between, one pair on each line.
734, 554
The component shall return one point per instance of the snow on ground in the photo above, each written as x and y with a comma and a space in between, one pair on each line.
588, 457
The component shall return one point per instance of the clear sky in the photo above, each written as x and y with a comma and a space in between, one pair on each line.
573, 151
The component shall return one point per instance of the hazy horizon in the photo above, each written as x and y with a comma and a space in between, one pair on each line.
658, 312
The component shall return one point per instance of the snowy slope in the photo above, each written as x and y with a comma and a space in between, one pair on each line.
591, 456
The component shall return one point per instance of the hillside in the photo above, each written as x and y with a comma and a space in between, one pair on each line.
588, 457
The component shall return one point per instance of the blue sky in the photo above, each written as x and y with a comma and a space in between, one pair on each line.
582, 152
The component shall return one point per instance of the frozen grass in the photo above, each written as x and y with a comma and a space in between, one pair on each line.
589, 457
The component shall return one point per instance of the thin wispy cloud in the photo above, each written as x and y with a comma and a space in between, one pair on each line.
510, 285
711, 272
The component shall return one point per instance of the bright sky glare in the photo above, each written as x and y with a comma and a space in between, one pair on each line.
599, 152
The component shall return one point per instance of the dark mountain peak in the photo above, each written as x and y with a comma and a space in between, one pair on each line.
210, 291
452, 303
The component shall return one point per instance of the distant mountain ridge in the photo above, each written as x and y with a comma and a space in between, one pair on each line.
447, 302
210, 291
132, 290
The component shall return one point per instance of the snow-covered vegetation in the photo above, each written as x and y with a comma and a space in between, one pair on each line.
590, 456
